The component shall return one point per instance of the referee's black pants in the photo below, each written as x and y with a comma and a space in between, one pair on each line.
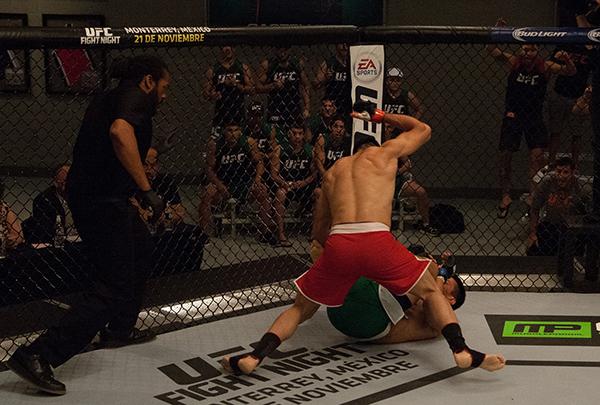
119, 244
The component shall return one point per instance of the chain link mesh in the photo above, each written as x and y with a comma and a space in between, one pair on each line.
232, 245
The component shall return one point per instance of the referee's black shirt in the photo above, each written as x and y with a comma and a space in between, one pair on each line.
96, 171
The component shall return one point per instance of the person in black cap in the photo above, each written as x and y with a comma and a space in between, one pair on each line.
107, 170
397, 99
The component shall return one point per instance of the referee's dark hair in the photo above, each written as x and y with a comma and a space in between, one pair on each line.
134, 69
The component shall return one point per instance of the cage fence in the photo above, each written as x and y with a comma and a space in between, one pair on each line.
240, 146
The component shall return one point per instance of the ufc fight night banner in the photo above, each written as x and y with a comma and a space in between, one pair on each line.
367, 64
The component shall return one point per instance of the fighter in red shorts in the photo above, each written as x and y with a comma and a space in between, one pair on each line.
352, 222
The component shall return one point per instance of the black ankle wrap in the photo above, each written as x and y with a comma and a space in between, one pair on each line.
267, 345
476, 357
454, 337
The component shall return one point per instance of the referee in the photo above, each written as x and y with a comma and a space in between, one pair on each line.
107, 170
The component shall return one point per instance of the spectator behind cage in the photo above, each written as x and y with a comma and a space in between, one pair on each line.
261, 131
331, 145
11, 234
334, 75
166, 188
320, 124
49, 207
227, 83
294, 172
560, 194
563, 97
581, 108
283, 78
265, 135
523, 114
235, 170
406, 186
588, 15
397, 98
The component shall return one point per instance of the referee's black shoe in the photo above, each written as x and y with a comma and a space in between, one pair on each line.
36, 370
111, 339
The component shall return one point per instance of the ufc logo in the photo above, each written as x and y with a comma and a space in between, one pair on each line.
340, 76
285, 76
528, 79
366, 64
262, 144
334, 155
98, 32
296, 164
395, 108
228, 76
228, 159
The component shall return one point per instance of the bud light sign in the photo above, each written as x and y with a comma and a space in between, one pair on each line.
594, 35
523, 34
545, 35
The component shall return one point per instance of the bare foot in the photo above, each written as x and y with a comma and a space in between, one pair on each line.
247, 364
491, 362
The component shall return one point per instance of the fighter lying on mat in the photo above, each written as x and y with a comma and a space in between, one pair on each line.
372, 313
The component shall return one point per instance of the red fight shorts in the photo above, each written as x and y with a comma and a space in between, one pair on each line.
360, 250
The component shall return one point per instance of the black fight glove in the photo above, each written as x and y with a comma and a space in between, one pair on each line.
367, 111
150, 200
448, 266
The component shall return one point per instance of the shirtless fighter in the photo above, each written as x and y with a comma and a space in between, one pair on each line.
352, 222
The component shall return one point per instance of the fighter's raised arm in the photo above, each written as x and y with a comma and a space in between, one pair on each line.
415, 133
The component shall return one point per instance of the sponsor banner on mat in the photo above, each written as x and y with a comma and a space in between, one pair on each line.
545, 330
295, 376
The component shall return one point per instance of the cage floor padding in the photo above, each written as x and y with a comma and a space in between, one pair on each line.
551, 341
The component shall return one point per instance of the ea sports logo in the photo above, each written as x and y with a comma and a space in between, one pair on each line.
594, 35
367, 67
